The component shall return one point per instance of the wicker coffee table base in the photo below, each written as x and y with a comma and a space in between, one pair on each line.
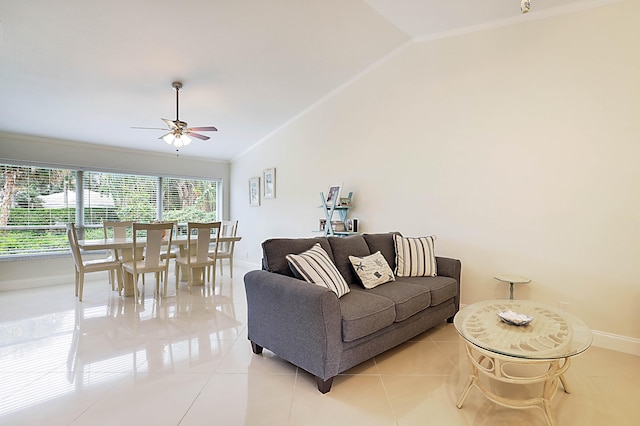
494, 366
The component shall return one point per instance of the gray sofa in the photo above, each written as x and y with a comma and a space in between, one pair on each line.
308, 325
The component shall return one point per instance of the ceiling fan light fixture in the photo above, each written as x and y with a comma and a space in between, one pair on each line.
169, 138
177, 129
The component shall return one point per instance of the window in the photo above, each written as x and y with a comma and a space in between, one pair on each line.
119, 197
36, 203
187, 200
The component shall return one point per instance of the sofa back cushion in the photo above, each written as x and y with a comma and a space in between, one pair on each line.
342, 248
384, 244
275, 250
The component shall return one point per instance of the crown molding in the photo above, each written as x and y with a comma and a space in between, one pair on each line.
519, 19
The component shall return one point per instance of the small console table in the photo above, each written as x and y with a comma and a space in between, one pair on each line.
512, 279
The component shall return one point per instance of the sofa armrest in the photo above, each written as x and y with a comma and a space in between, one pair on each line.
298, 321
449, 267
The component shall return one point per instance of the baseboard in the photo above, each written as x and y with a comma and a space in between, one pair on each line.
39, 282
616, 342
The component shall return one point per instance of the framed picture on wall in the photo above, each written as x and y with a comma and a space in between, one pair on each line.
269, 183
254, 191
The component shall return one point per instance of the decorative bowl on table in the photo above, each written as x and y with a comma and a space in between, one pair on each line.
514, 318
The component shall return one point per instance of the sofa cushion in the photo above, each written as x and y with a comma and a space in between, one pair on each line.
384, 244
409, 299
441, 288
275, 250
342, 248
316, 267
364, 313
415, 257
372, 270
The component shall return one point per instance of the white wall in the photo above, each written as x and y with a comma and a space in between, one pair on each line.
20, 274
517, 146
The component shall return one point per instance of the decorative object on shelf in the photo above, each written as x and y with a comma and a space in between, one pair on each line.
333, 195
254, 191
352, 225
346, 201
337, 226
269, 184
323, 225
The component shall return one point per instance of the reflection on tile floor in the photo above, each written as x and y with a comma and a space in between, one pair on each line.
185, 360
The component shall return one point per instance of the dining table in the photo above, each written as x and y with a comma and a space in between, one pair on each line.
122, 244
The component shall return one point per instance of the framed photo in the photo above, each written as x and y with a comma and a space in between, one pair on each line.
333, 196
254, 191
269, 184
337, 226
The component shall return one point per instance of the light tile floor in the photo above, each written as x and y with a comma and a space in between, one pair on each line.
185, 360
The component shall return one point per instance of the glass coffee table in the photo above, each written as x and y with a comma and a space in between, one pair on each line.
498, 348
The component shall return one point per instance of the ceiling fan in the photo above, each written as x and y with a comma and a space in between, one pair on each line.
177, 129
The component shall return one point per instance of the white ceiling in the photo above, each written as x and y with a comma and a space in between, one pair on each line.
88, 71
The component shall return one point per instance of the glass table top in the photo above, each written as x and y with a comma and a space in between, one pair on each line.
551, 334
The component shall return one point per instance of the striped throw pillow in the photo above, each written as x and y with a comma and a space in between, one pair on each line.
316, 267
415, 257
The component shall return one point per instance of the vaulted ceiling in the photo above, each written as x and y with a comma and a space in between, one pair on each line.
89, 71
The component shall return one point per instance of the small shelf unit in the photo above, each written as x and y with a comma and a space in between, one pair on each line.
342, 211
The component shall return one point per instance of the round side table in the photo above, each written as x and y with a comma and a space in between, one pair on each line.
512, 279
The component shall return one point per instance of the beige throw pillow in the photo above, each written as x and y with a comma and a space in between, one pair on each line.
372, 270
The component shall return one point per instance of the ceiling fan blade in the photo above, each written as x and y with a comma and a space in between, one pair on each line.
204, 129
196, 135
170, 123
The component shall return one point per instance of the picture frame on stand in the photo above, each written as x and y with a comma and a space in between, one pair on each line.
333, 195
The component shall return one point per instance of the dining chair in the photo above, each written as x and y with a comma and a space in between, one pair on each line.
151, 260
229, 228
84, 266
197, 256
116, 229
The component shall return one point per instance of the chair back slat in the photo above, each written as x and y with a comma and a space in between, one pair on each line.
118, 229
229, 228
205, 233
72, 236
154, 242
